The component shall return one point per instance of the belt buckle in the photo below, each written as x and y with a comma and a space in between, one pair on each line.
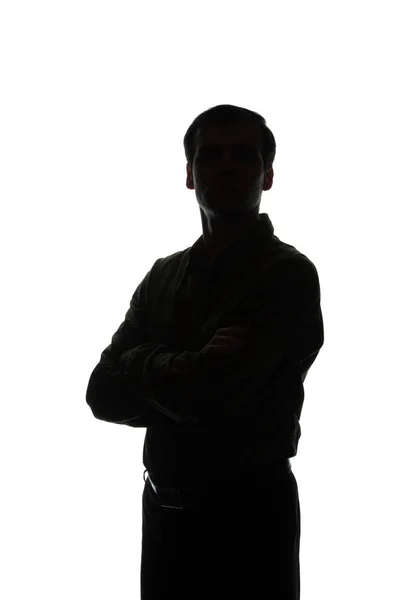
173, 494
163, 494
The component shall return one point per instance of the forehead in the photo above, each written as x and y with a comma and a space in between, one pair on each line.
229, 133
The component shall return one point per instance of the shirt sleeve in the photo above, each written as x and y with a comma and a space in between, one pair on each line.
116, 391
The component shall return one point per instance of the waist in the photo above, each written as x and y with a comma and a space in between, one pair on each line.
178, 496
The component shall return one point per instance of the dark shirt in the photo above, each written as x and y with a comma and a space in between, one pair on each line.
203, 416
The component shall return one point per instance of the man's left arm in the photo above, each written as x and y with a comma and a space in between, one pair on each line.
281, 307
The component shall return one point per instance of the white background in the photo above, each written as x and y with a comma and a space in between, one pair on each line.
95, 100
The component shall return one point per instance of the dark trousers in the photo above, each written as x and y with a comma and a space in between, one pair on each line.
231, 540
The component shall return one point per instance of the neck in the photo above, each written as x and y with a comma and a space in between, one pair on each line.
219, 234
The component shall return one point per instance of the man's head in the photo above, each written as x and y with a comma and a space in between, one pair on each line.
230, 152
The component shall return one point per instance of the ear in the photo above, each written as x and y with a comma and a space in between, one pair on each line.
189, 178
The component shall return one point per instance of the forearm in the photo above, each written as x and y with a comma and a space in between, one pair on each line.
143, 386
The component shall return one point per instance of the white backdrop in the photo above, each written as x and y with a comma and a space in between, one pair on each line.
95, 100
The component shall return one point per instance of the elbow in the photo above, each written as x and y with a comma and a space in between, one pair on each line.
95, 396
95, 406
112, 401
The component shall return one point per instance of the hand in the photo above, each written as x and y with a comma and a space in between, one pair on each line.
226, 343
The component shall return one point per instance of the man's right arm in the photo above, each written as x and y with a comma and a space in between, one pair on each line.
119, 386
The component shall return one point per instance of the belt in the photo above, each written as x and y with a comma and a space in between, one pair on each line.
180, 498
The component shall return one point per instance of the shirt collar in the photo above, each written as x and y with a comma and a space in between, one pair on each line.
236, 256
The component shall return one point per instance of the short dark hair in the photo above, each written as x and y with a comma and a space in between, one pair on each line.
227, 113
